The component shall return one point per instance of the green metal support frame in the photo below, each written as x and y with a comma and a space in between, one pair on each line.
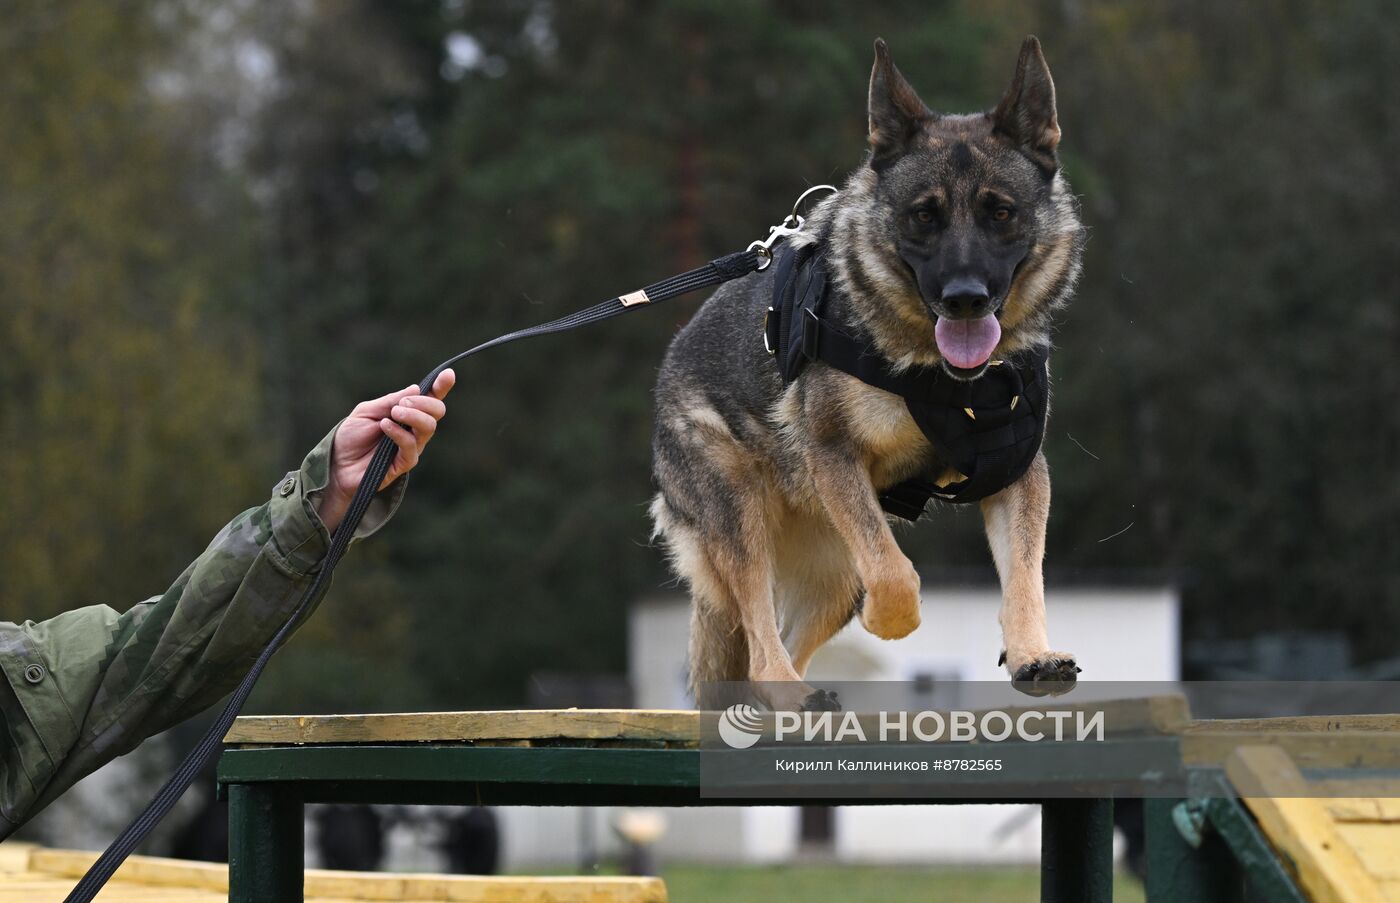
1179, 871
1202, 848
1268, 879
268, 786
265, 843
1207, 848
1076, 851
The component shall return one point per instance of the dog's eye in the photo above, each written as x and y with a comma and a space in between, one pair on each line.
923, 215
1002, 214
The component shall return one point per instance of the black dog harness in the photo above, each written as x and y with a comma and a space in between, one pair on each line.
988, 429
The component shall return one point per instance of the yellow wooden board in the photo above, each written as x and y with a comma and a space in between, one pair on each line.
1377, 844
1298, 724
1153, 715
1341, 849
1307, 749
1360, 800
571, 724
30, 874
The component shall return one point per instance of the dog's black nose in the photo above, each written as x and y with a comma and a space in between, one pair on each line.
966, 296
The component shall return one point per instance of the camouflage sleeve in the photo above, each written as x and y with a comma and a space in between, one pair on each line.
91, 684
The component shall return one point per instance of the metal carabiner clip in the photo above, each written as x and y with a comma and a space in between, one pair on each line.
791, 225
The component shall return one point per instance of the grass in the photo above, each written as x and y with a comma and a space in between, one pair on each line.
865, 884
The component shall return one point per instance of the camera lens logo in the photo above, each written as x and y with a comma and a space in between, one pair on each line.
740, 726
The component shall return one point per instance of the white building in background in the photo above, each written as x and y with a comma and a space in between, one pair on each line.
1119, 634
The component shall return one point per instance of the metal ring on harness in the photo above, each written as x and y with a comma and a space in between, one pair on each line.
797, 205
790, 225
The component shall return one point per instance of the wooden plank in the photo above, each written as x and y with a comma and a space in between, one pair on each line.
14, 856
1360, 799
1170, 714
1316, 749
413, 727
152, 871
43, 889
1148, 715
1377, 845
358, 888
1359, 808
1350, 808
51, 874
470, 889
1299, 724
1299, 827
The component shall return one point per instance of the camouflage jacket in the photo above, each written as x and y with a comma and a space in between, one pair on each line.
90, 684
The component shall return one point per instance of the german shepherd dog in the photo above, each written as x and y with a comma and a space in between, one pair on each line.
952, 243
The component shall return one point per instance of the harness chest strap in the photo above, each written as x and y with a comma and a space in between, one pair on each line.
988, 429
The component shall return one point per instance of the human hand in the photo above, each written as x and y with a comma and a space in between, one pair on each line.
360, 432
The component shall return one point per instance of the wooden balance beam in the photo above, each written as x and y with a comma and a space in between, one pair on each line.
275, 764
31, 874
1207, 834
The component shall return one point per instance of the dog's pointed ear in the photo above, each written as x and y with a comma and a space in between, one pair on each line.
1026, 113
896, 112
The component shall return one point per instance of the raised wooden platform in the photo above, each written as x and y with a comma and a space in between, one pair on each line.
1320, 821
643, 728
1333, 741
31, 874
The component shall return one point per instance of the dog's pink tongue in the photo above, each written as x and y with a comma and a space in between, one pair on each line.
967, 343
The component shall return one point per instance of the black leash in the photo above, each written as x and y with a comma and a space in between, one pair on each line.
733, 266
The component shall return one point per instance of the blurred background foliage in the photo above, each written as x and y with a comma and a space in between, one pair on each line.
222, 223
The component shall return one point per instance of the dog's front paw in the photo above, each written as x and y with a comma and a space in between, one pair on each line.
891, 606
1045, 674
821, 701
795, 696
